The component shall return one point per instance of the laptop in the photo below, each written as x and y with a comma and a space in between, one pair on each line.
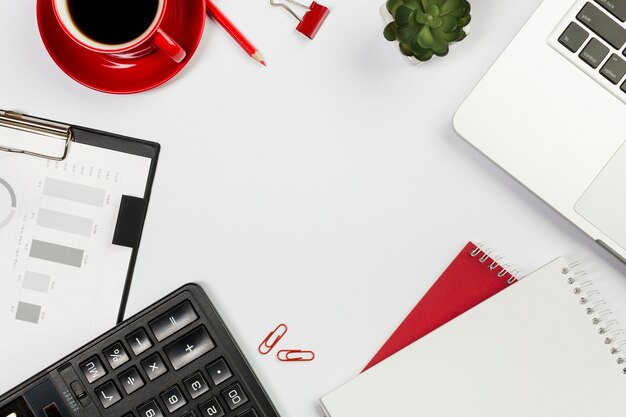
552, 113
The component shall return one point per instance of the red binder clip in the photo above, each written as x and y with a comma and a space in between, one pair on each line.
272, 339
296, 355
312, 20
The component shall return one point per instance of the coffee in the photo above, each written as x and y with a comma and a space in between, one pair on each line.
113, 22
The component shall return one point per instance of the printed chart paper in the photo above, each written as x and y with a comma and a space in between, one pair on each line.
61, 279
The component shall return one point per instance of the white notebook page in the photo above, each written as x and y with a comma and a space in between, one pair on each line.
530, 351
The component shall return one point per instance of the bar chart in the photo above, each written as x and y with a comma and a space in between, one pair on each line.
61, 277
35, 281
63, 229
64, 222
71, 191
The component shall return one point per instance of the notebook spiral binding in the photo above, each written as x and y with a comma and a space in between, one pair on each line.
504, 270
602, 316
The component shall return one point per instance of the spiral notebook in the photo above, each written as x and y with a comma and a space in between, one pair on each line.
471, 278
537, 349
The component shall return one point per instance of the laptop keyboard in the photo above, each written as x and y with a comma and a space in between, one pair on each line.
593, 37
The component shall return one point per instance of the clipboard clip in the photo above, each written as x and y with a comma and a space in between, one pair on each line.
312, 20
18, 121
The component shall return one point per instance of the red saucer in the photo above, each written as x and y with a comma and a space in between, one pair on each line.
184, 21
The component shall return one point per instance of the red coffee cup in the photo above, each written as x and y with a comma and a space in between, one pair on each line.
150, 35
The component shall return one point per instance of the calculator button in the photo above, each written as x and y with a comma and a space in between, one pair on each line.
219, 372
116, 355
154, 366
234, 396
93, 369
189, 348
212, 408
174, 320
129, 414
108, 394
196, 385
150, 409
189, 413
173, 399
139, 342
249, 413
131, 380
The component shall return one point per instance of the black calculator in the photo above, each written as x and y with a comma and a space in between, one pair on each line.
174, 359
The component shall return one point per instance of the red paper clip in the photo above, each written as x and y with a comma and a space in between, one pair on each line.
312, 20
296, 355
272, 339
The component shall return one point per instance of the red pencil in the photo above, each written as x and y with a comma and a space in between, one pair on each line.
234, 32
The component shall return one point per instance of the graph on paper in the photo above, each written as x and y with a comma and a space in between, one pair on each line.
58, 268
62, 279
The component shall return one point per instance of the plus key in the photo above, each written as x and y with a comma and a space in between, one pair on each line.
189, 347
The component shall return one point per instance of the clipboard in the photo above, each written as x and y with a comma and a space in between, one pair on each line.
124, 231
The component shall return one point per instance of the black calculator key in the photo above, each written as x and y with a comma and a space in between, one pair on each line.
196, 385
116, 355
108, 394
573, 37
189, 413
189, 348
249, 413
139, 341
128, 415
212, 408
131, 380
150, 409
219, 371
154, 366
234, 396
173, 399
93, 369
174, 320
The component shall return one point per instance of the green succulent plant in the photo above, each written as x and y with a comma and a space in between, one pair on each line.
426, 27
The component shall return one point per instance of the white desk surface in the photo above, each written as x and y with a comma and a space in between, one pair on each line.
326, 191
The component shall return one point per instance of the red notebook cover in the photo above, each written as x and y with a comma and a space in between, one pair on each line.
470, 279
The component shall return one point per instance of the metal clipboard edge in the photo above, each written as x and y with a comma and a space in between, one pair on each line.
18, 121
